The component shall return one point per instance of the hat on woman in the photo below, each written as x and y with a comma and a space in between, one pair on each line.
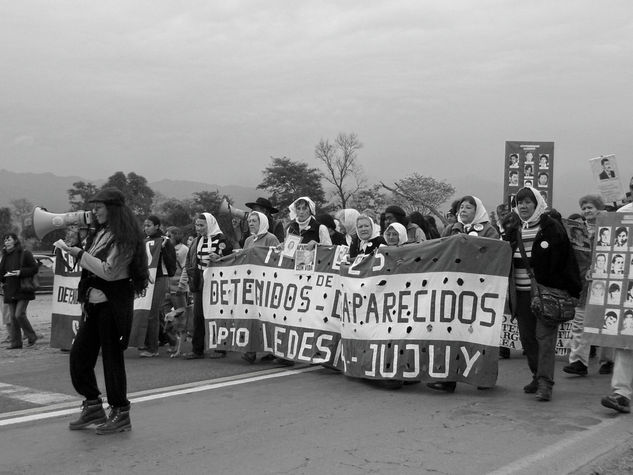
109, 196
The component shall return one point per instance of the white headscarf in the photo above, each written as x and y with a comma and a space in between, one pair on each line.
402, 233
364, 242
481, 215
541, 207
293, 207
212, 229
347, 217
263, 224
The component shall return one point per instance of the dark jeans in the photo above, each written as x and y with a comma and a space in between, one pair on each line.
153, 319
98, 331
16, 314
538, 340
197, 339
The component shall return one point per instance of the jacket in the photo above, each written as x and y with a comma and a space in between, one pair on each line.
218, 244
553, 260
22, 260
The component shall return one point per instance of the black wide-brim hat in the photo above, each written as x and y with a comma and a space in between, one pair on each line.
264, 203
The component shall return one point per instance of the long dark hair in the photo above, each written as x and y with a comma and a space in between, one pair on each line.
129, 237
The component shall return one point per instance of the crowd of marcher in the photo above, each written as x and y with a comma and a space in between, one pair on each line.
541, 250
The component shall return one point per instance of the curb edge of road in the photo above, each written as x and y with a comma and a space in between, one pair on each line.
607, 458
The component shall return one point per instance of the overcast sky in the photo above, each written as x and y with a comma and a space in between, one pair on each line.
210, 90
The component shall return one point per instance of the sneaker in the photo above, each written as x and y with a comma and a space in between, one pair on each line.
147, 354
606, 367
268, 357
531, 388
449, 386
544, 394
617, 402
194, 356
577, 367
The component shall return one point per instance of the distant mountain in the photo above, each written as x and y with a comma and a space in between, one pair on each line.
182, 189
41, 189
50, 191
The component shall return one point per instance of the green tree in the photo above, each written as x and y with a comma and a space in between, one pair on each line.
79, 195
421, 193
138, 196
6, 221
207, 201
175, 212
343, 171
23, 212
371, 198
286, 180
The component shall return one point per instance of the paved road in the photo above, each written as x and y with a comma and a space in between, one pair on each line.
223, 416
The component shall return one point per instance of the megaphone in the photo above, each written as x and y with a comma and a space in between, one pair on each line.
45, 222
226, 208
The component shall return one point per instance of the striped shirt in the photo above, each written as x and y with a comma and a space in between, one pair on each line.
521, 276
203, 252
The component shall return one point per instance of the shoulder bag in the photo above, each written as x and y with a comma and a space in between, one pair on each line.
553, 306
29, 284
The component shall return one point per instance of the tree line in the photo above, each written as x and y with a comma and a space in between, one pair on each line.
283, 181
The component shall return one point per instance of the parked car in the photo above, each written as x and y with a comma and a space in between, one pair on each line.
46, 274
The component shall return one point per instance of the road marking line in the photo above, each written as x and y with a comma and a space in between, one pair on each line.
22, 393
163, 393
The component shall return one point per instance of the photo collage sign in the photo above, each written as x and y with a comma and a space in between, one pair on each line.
609, 317
528, 164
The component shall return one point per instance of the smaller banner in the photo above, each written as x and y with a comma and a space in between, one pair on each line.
607, 178
529, 164
510, 336
65, 309
143, 302
609, 310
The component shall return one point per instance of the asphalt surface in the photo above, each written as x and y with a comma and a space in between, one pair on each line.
224, 416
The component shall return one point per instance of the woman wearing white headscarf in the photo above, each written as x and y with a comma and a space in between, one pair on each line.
347, 218
395, 235
304, 224
551, 257
260, 237
258, 226
208, 246
367, 240
472, 219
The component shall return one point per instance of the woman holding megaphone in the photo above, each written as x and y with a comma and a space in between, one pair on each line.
114, 269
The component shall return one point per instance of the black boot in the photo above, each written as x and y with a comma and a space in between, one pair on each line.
118, 421
91, 413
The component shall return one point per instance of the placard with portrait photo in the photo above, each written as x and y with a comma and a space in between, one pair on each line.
603, 238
